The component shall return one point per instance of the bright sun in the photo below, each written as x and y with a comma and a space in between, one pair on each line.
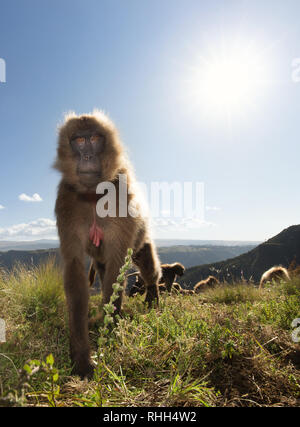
228, 80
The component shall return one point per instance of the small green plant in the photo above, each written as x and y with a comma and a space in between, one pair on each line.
197, 390
106, 337
229, 350
52, 389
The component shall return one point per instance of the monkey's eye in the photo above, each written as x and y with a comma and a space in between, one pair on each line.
95, 139
80, 141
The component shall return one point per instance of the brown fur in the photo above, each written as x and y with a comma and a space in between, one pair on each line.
74, 212
161, 288
138, 287
169, 272
275, 273
204, 284
176, 288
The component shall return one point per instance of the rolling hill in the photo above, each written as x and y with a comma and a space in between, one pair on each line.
28, 258
282, 249
190, 256
187, 255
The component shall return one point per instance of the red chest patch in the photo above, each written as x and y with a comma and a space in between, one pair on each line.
95, 233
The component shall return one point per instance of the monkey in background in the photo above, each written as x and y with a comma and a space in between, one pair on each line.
176, 288
138, 287
204, 284
169, 273
90, 152
275, 273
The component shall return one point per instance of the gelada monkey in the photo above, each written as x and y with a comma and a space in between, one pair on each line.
89, 153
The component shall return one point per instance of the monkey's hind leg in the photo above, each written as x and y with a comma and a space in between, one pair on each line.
147, 261
77, 295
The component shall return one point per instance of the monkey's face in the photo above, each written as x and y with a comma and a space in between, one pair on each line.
87, 146
89, 151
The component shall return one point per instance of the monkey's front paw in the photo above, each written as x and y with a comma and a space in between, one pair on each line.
152, 297
84, 370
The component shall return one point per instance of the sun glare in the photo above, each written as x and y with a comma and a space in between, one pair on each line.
228, 80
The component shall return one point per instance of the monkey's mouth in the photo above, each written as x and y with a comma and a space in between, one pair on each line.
89, 177
92, 173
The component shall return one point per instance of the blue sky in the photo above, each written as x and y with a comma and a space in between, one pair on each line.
132, 58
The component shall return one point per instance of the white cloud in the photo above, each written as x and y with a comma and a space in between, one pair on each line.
2, 207
40, 228
35, 198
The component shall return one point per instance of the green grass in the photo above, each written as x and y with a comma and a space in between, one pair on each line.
229, 346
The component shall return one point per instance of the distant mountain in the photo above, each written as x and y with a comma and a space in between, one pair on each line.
195, 255
187, 255
282, 249
28, 258
6, 245
28, 246
181, 242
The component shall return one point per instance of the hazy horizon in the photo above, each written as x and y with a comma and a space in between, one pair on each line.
157, 239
